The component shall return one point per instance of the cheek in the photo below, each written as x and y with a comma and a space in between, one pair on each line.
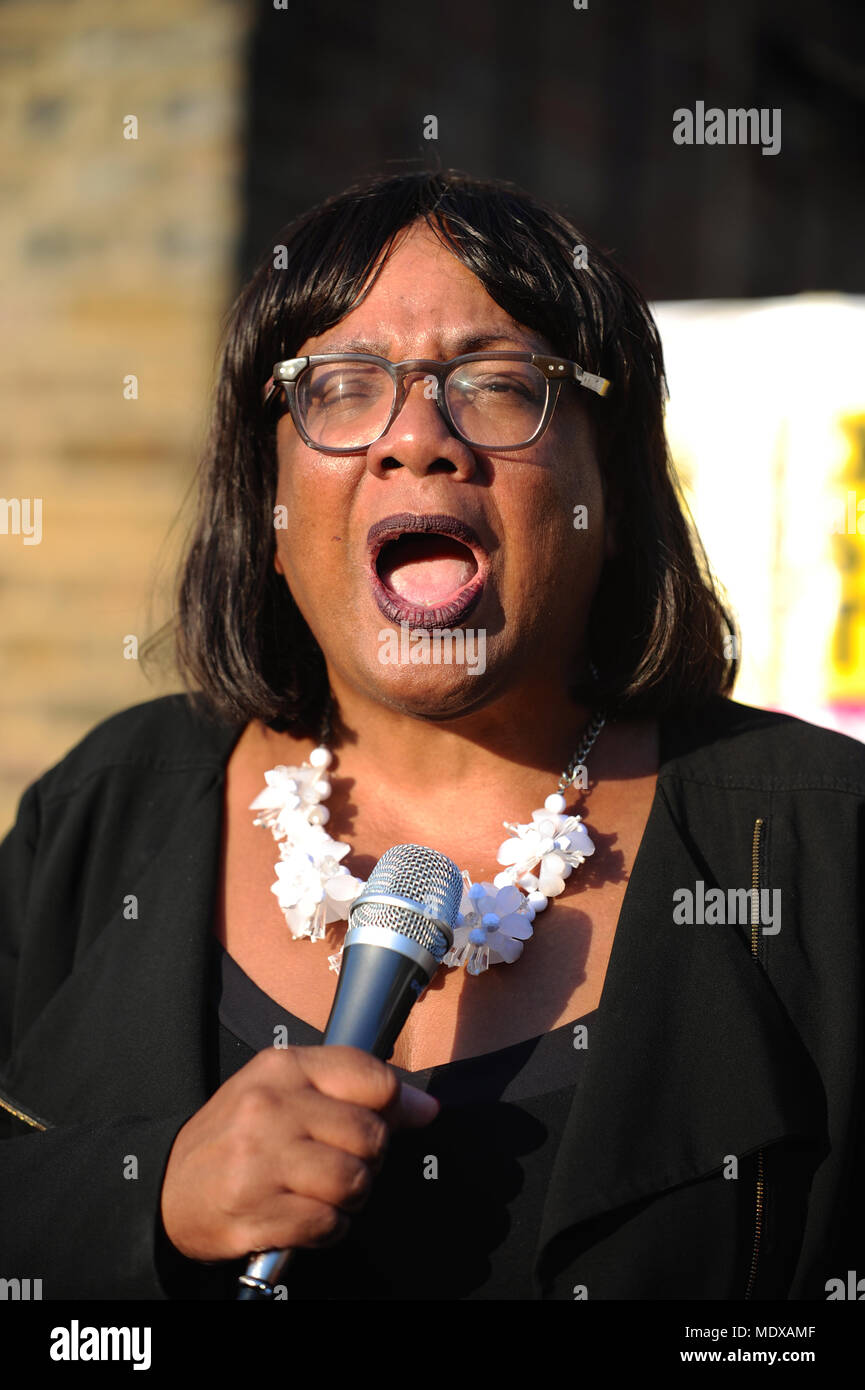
310, 497
311, 524
295, 520
294, 489
563, 512
579, 501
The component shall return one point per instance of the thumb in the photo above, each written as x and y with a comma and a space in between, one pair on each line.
414, 1107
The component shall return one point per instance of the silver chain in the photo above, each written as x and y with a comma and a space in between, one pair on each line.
593, 728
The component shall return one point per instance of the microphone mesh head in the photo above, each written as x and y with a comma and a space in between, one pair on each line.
427, 879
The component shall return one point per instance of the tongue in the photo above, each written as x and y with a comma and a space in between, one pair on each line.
426, 569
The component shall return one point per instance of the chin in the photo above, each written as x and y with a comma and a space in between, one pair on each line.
430, 655
435, 695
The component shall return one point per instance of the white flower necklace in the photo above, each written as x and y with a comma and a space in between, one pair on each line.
314, 888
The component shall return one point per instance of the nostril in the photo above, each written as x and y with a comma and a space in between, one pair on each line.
440, 465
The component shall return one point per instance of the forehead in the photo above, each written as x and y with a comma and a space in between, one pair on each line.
425, 303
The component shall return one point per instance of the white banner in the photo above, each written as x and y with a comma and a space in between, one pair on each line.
766, 422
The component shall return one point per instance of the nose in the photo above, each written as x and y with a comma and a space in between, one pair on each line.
419, 437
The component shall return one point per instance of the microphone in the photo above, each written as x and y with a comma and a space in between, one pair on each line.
400, 926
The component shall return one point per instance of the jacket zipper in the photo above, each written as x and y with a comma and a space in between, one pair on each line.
755, 943
20, 1115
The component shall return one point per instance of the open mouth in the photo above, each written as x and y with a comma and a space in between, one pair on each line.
427, 571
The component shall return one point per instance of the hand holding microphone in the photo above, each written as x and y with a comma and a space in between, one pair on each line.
283, 1151
400, 928
287, 1149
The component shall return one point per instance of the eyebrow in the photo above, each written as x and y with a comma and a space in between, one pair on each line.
474, 342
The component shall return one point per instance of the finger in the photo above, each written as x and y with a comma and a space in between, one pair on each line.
357, 1077
339, 1124
411, 1109
326, 1175
347, 1073
291, 1220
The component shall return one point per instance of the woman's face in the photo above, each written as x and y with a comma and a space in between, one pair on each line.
521, 591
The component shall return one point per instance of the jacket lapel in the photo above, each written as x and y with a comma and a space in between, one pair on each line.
691, 1057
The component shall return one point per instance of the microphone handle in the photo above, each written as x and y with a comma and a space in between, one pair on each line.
378, 984
369, 1010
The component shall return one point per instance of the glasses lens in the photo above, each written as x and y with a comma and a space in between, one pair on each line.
497, 403
345, 405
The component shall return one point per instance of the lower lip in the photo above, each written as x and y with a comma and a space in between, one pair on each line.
449, 614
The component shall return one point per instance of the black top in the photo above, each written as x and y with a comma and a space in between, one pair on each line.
473, 1180
713, 1144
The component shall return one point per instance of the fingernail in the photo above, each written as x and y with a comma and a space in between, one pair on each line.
419, 1105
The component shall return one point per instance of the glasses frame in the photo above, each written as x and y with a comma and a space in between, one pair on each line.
555, 370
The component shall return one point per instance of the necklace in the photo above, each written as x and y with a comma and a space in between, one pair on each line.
313, 887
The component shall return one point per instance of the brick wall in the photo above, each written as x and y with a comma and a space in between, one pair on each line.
117, 261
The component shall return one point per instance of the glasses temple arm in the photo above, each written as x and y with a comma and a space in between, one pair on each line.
592, 382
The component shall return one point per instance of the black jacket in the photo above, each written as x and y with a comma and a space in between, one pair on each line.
720, 1101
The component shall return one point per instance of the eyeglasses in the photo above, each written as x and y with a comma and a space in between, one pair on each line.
343, 402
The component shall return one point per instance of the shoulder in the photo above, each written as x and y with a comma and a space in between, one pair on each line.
731, 744
173, 733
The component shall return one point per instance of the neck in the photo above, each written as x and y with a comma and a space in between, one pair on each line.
506, 742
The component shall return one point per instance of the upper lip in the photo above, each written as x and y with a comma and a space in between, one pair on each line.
433, 523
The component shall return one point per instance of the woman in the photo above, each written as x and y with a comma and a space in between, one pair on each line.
634, 1095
